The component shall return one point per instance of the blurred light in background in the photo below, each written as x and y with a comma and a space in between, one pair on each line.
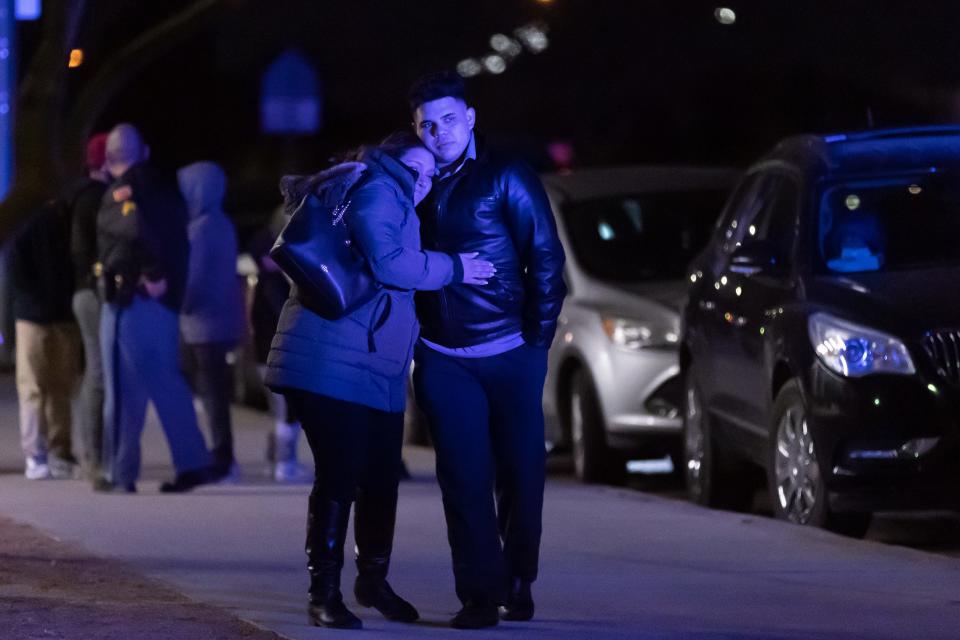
656, 466
505, 45
469, 67
495, 64
27, 9
76, 58
725, 15
561, 154
534, 36
505, 49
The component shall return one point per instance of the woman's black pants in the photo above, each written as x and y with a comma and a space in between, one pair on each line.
357, 455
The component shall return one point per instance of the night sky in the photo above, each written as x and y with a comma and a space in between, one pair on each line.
623, 81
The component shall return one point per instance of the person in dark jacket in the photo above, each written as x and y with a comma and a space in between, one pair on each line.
86, 304
144, 251
346, 378
482, 360
47, 341
211, 318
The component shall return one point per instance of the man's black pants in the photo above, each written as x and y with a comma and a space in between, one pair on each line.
486, 420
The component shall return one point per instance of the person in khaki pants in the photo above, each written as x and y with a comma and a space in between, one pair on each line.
48, 356
47, 341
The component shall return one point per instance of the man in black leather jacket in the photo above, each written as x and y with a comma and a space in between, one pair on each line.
482, 358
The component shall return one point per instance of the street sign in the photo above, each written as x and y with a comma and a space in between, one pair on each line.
290, 99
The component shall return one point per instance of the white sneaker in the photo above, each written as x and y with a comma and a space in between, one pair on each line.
61, 469
292, 472
36, 470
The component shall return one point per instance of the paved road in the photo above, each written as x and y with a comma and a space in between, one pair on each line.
616, 563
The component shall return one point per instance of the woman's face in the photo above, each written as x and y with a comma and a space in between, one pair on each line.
421, 161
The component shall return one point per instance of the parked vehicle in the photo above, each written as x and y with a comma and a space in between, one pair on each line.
612, 385
821, 340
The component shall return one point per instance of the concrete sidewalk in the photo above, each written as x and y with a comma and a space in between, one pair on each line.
615, 563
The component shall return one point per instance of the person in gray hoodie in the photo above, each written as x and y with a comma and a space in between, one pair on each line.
346, 378
212, 316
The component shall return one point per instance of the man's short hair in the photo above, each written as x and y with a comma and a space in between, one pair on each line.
436, 85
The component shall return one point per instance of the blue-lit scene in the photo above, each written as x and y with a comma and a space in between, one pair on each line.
546, 319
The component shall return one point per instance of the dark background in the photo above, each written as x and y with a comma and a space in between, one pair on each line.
624, 81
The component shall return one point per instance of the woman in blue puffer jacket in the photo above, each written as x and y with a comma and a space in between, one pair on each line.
346, 379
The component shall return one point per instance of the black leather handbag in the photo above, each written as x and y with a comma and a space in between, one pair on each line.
317, 253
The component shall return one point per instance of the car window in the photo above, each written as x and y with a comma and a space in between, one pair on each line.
889, 223
756, 195
641, 237
777, 220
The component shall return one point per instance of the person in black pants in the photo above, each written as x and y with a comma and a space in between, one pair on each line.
346, 379
482, 360
212, 316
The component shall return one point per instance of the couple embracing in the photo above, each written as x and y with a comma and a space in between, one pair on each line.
484, 258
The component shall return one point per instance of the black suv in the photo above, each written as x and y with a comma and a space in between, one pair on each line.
821, 340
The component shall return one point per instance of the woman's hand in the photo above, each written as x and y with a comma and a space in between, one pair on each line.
476, 271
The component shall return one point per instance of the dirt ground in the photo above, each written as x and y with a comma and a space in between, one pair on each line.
51, 590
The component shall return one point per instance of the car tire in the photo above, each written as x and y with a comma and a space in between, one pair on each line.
794, 477
713, 477
593, 462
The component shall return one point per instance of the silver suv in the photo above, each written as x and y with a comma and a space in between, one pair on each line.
612, 386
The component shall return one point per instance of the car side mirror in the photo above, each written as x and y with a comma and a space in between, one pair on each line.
754, 256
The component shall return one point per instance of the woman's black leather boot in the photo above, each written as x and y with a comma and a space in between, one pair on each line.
373, 526
326, 531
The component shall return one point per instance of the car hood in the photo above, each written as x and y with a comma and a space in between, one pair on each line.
653, 300
906, 301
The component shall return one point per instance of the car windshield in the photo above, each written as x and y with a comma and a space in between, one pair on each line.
642, 237
902, 222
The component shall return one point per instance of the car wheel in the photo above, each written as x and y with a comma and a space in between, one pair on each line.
712, 477
592, 460
797, 488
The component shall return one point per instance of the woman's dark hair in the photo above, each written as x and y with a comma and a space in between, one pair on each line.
433, 86
399, 142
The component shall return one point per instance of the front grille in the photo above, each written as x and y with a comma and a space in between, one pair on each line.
944, 349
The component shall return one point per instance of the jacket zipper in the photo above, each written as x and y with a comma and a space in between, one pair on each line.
440, 205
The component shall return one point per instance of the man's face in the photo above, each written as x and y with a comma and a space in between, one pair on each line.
444, 125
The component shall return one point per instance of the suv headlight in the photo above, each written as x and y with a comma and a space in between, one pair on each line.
636, 334
853, 351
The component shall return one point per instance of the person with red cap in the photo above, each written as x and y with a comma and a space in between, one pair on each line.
46, 300
88, 193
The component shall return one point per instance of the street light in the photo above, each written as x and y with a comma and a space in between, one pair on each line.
76, 58
725, 15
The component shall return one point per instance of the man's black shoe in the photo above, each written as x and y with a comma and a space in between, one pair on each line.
187, 480
476, 615
519, 605
376, 593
